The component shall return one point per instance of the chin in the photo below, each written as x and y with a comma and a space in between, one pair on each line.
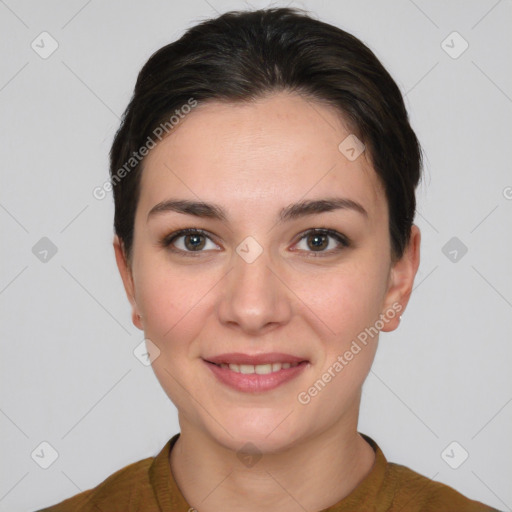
253, 431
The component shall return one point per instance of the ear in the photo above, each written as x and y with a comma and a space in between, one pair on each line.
126, 275
401, 280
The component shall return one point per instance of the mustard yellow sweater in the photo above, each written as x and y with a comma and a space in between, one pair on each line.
148, 486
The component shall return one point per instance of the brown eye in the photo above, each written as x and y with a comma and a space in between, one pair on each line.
194, 242
188, 241
322, 241
317, 241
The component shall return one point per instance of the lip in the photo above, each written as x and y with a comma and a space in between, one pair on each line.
269, 358
253, 382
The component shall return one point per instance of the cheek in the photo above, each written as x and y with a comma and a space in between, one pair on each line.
349, 305
170, 300
346, 300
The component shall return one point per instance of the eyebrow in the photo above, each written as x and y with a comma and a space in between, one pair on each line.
290, 212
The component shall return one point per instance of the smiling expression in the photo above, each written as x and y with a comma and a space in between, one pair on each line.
287, 258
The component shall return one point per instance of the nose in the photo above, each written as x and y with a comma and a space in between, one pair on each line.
255, 298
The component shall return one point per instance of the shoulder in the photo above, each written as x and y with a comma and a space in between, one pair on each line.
417, 493
122, 491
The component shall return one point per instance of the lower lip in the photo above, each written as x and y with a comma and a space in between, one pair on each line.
253, 382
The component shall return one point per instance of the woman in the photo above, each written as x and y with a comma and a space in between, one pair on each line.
264, 179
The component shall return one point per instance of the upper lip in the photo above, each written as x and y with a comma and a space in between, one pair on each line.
239, 358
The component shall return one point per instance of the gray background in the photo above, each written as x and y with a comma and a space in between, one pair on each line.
68, 373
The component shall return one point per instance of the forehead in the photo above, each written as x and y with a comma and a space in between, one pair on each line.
262, 154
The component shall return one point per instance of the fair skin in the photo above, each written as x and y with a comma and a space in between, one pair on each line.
254, 159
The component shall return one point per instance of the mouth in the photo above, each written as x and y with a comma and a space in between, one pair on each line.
256, 373
257, 363
260, 369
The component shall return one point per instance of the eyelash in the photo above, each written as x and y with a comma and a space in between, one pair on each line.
343, 241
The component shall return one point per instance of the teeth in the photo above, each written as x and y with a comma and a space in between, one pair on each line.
263, 369
260, 369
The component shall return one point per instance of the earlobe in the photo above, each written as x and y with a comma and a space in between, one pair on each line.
401, 281
137, 320
127, 278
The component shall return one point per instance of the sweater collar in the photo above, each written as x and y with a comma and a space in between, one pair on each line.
366, 494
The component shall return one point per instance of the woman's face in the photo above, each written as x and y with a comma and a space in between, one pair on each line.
257, 281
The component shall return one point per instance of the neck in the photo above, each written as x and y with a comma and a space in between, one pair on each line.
311, 475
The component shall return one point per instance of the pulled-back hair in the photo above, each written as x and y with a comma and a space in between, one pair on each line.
245, 55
